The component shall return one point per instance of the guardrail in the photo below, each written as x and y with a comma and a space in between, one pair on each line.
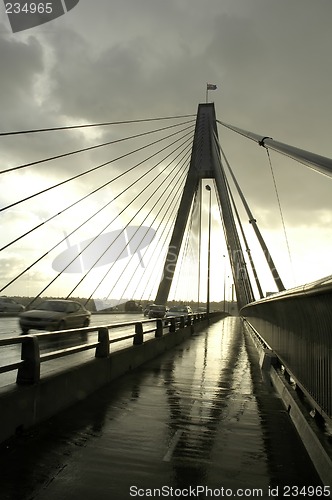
45, 386
29, 367
296, 325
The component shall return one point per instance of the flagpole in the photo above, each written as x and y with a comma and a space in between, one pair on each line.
209, 86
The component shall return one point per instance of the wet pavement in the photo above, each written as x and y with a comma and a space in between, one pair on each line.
196, 422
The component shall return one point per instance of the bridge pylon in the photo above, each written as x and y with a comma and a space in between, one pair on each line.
206, 163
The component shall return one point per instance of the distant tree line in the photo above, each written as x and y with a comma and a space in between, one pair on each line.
90, 303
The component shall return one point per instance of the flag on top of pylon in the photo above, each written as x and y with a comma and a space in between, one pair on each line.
211, 86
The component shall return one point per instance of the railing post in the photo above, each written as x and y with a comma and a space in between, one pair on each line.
191, 322
172, 326
29, 371
103, 348
159, 328
138, 339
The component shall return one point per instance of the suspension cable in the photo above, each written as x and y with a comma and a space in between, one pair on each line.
187, 247
258, 234
253, 267
240, 274
281, 213
166, 234
316, 162
184, 252
148, 199
90, 125
116, 141
94, 169
59, 274
63, 239
95, 191
156, 216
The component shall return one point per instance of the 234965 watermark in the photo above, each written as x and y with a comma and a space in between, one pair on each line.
24, 15
29, 8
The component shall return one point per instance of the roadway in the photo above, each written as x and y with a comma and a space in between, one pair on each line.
200, 416
9, 327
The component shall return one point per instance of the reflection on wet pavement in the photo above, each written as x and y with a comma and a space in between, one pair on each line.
199, 415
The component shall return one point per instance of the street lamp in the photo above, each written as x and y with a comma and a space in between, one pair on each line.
224, 283
228, 294
208, 188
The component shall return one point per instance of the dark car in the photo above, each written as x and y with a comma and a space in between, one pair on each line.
147, 309
133, 306
55, 315
179, 311
157, 311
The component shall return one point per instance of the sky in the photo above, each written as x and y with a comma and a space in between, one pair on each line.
134, 59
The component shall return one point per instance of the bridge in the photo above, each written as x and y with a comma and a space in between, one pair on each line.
163, 222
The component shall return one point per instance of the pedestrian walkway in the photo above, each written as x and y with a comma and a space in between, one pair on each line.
197, 422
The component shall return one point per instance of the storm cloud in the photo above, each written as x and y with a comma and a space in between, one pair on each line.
108, 61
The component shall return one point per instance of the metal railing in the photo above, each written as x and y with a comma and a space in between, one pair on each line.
297, 326
29, 367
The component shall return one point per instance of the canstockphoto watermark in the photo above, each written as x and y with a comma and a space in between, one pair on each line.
194, 492
23, 14
104, 249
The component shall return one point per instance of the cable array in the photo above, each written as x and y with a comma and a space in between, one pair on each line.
146, 171
144, 193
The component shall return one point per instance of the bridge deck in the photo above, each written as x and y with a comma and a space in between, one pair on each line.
200, 415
